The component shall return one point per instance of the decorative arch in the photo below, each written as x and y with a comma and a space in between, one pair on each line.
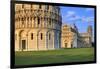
22, 40
50, 42
49, 31
39, 31
20, 32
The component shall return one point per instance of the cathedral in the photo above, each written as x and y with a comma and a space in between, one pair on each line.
71, 38
39, 27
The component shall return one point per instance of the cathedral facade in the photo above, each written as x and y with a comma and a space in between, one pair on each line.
72, 38
37, 27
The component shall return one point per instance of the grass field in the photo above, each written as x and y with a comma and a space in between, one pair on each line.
54, 56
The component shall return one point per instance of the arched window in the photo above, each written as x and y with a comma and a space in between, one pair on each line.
49, 21
22, 21
41, 36
31, 36
27, 18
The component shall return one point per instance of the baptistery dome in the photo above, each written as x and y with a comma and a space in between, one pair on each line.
37, 27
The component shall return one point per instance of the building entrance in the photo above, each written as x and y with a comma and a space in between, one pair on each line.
23, 44
65, 45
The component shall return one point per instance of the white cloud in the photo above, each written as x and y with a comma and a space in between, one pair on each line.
73, 18
70, 13
89, 9
81, 18
88, 19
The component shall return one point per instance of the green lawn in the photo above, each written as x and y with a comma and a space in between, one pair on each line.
54, 56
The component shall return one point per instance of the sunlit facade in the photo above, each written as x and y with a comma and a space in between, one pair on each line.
71, 38
37, 27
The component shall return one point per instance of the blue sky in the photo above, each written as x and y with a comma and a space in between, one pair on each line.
82, 17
